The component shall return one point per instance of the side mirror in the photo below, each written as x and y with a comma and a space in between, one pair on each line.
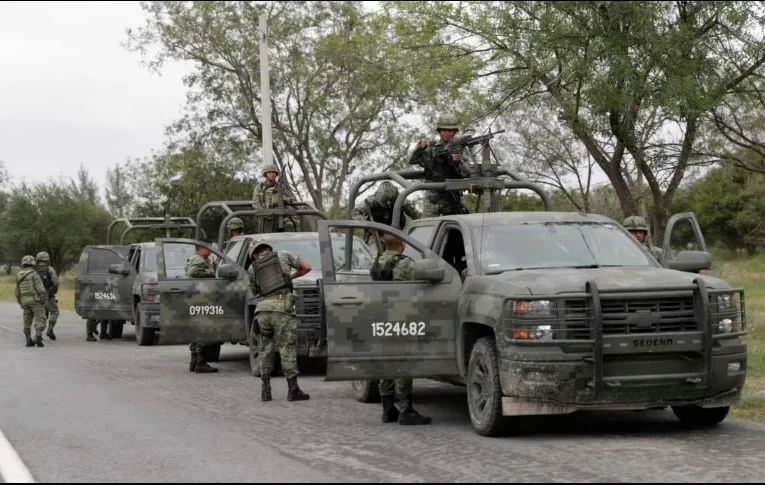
228, 271
119, 269
429, 270
691, 261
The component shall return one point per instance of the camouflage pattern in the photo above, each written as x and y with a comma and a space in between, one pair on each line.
403, 270
454, 321
103, 296
637, 223
441, 202
447, 121
51, 302
373, 210
30, 295
235, 223
199, 267
278, 325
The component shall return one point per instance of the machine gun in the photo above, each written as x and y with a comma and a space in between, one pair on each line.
458, 144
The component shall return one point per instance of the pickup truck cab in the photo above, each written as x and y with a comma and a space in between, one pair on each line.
541, 313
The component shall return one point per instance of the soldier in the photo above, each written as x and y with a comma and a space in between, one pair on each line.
637, 226
393, 265
379, 208
31, 296
235, 228
50, 281
438, 169
200, 266
271, 283
266, 197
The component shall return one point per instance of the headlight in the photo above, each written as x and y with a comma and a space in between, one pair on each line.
531, 319
727, 314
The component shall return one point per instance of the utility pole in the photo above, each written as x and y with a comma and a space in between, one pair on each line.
265, 92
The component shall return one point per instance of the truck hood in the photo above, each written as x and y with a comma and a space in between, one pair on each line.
565, 280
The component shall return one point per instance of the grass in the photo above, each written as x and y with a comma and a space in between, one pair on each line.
65, 294
747, 273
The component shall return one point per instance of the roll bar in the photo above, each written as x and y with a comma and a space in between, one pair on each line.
135, 223
287, 211
227, 205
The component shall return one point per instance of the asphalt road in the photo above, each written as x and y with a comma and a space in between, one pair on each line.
112, 411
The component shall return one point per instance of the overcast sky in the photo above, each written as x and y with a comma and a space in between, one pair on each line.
70, 94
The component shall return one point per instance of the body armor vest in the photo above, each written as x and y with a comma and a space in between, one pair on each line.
47, 280
385, 272
269, 275
384, 215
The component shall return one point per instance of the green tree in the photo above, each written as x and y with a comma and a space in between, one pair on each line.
118, 197
633, 81
337, 87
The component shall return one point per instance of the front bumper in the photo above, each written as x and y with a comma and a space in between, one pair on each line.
561, 387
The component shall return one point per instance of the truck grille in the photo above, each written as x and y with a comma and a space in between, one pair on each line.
677, 315
308, 305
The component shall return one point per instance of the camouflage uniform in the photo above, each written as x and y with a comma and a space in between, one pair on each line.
267, 197
277, 326
199, 267
398, 268
50, 281
234, 224
442, 202
637, 223
31, 296
379, 208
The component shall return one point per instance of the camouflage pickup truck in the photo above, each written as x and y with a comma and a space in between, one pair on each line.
541, 313
221, 309
117, 283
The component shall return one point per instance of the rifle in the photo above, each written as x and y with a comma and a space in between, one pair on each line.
457, 145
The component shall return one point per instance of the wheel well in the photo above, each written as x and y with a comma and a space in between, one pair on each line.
471, 332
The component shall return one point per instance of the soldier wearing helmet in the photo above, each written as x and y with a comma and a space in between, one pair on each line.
50, 281
235, 228
637, 226
266, 196
440, 168
271, 284
200, 266
31, 296
379, 208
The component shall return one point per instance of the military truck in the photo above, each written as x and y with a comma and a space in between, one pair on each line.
221, 310
118, 283
539, 313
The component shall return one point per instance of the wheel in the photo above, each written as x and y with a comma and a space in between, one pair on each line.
484, 392
695, 416
116, 327
366, 391
143, 335
211, 353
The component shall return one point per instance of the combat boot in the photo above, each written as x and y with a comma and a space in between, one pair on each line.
265, 389
390, 412
193, 362
409, 416
202, 367
90, 329
104, 333
28, 335
39, 341
294, 393
50, 333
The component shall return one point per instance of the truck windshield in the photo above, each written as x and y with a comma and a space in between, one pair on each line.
176, 256
515, 247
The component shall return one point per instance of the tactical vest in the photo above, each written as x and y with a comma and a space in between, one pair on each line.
25, 284
46, 279
269, 275
384, 215
385, 272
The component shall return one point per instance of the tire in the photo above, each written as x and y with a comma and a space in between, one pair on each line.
116, 327
698, 417
483, 381
366, 391
143, 335
211, 353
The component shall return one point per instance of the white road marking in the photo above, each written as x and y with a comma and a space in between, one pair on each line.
12, 469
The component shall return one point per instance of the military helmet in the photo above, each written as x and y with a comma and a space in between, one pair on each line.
446, 121
257, 244
270, 168
386, 193
28, 260
42, 257
235, 223
635, 223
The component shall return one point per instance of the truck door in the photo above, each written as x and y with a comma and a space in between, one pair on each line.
97, 293
208, 310
387, 329
683, 233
